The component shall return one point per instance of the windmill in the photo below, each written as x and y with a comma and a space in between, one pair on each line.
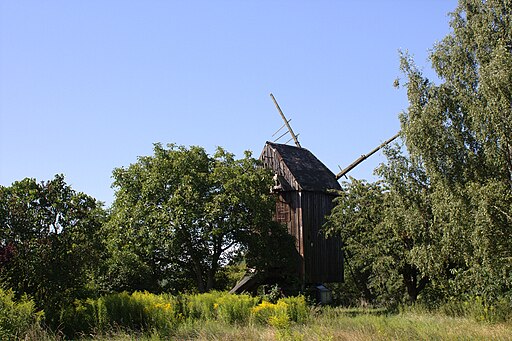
305, 189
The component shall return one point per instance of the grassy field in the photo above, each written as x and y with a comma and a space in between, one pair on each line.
340, 324
222, 316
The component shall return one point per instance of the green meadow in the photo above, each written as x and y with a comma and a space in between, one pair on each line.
223, 316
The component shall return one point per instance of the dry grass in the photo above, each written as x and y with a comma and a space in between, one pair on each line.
336, 325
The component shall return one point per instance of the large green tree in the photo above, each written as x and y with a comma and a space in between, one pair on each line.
461, 130
357, 219
181, 214
441, 216
49, 241
408, 216
386, 230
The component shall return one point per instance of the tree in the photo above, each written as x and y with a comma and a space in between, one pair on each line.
461, 130
385, 228
408, 215
357, 218
49, 241
181, 214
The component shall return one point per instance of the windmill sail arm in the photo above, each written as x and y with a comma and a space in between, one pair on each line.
286, 122
364, 157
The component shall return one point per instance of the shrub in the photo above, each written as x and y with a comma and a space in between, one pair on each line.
271, 313
162, 314
280, 314
234, 308
122, 310
201, 306
79, 318
297, 308
17, 318
140, 311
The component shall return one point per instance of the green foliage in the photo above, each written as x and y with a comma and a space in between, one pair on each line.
356, 217
222, 306
80, 317
382, 228
478, 309
17, 318
274, 314
202, 306
437, 224
296, 308
281, 313
49, 242
181, 214
144, 316
234, 308
140, 311
461, 131
230, 274
271, 295
145, 312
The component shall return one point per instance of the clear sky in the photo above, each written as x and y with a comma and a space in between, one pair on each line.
87, 86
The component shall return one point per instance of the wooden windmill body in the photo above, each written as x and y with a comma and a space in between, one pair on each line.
305, 189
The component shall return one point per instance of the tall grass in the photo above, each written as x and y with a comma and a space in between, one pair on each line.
234, 309
145, 312
336, 324
139, 312
477, 308
340, 324
220, 315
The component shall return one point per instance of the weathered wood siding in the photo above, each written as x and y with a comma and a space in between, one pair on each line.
271, 159
323, 256
294, 225
320, 260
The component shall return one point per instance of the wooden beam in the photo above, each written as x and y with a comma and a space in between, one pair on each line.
364, 157
286, 122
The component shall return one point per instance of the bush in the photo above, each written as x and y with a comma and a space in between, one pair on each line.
296, 309
221, 306
201, 306
79, 318
17, 318
140, 311
235, 308
274, 314
162, 314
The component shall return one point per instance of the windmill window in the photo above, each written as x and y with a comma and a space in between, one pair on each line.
283, 213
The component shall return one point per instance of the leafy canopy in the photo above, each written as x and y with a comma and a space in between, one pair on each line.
49, 241
461, 130
443, 208
181, 214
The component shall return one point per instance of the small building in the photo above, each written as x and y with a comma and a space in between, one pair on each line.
305, 190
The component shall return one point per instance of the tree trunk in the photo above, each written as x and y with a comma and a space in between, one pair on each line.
210, 281
198, 270
410, 276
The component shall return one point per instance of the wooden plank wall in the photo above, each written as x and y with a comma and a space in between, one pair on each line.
323, 257
320, 260
271, 159
294, 226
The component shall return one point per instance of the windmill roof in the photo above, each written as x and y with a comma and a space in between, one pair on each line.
309, 172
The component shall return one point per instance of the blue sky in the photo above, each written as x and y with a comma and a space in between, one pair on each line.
87, 86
